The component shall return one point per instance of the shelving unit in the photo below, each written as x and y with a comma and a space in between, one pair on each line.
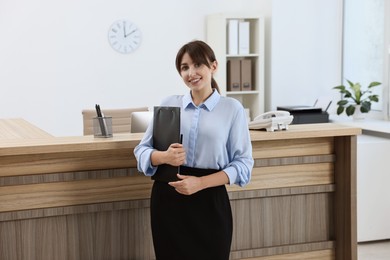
217, 38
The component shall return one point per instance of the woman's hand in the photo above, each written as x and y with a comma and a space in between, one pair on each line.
187, 185
175, 155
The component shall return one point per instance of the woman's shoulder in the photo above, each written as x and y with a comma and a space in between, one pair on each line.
231, 102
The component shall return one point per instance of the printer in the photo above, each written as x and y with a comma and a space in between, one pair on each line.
308, 114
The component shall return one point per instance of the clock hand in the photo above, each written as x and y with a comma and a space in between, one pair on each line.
130, 33
124, 29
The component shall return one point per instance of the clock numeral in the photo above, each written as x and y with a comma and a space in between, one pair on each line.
114, 30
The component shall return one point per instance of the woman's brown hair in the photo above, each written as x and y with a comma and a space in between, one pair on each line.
200, 53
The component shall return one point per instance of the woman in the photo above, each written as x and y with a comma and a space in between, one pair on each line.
191, 218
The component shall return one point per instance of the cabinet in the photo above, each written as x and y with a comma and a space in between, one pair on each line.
217, 37
373, 188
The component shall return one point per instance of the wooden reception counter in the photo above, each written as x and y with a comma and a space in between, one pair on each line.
82, 197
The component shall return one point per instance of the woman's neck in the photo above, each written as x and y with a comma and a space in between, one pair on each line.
198, 97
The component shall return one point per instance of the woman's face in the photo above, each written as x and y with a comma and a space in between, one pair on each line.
196, 76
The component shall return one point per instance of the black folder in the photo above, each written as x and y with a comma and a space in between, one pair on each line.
166, 131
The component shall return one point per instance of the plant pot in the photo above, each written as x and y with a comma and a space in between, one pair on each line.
358, 115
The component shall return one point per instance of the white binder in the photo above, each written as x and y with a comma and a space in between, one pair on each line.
243, 37
233, 37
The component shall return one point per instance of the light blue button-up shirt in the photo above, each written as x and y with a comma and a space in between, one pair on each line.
215, 136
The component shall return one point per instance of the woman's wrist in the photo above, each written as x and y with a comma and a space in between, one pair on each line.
158, 157
213, 180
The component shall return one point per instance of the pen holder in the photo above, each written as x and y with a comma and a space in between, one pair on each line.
102, 126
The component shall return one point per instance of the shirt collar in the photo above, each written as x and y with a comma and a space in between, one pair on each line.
209, 104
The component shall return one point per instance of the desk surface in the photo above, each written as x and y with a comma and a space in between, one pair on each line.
40, 143
17, 128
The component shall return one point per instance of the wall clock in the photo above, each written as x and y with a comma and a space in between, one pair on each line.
124, 36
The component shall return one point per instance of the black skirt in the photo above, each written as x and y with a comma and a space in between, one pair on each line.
186, 227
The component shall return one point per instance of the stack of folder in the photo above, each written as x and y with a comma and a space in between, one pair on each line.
238, 37
239, 75
239, 71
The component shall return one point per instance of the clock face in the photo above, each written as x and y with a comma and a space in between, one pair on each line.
124, 36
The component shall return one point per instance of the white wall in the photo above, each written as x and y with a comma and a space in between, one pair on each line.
306, 51
55, 59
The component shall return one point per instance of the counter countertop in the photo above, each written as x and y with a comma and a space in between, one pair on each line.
18, 128
46, 144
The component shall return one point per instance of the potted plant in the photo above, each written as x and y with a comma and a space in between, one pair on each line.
355, 99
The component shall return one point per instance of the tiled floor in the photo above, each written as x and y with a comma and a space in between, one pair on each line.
374, 250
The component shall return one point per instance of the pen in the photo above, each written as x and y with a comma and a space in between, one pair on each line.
101, 120
98, 111
181, 141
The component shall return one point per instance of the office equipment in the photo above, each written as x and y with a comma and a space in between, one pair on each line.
306, 114
233, 74
271, 121
140, 121
121, 119
233, 37
166, 131
246, 74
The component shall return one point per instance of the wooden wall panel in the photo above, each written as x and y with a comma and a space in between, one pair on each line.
123, 234
58, 194
345, 197
282, 220
66, 162
290, 176
328, 254
292, 147
281, 251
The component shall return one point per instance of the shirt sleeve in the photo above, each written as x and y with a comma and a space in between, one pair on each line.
145, 148
239, 169
143, 152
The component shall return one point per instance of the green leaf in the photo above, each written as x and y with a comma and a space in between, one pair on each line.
350, 110
374, 98
347, 94
340, 110
341, 87
374, 84
350, 83
342, 102
356, 89
366, 107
